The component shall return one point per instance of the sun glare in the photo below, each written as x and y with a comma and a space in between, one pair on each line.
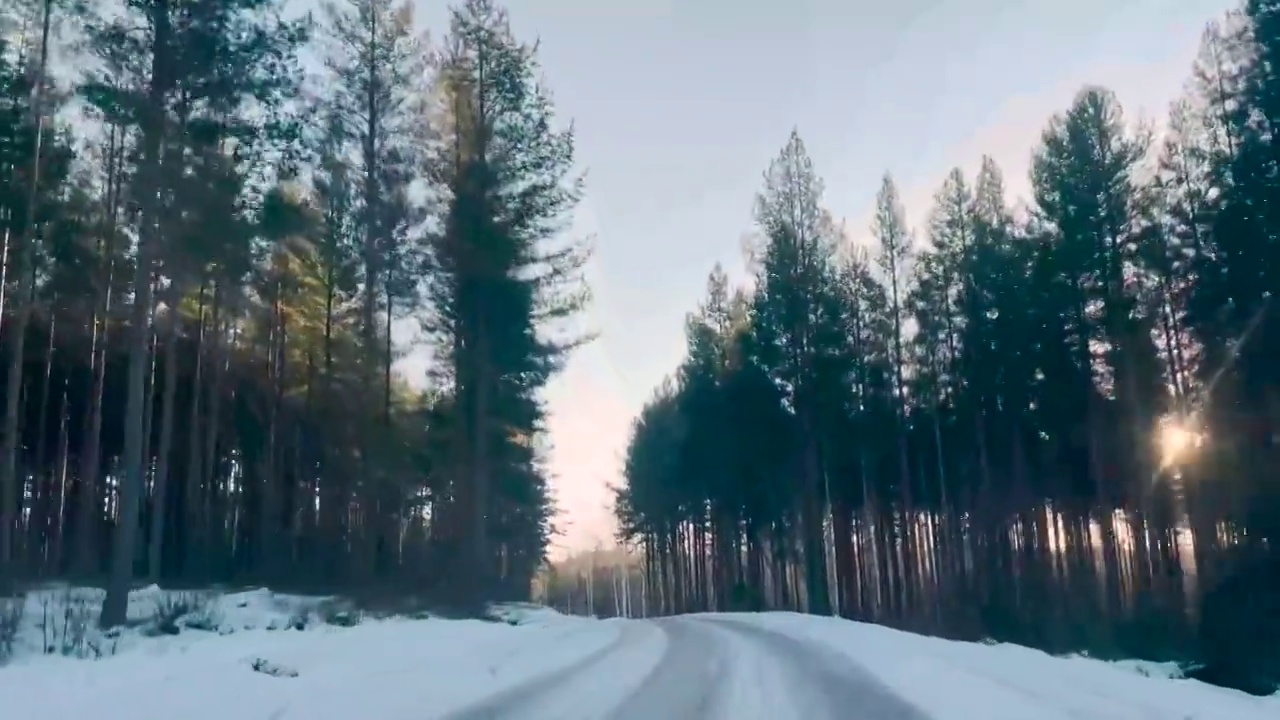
1177, 440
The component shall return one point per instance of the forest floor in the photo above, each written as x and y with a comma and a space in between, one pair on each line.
262, 655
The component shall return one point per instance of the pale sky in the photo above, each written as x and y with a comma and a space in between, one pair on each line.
680, 106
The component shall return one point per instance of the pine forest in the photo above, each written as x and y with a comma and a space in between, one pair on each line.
214, 214
1050, 420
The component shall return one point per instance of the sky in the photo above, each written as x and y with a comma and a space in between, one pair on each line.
679, 107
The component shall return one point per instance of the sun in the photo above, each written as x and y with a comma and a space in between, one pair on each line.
1177, 440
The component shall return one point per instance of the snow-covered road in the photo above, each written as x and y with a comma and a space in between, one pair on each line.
700, 668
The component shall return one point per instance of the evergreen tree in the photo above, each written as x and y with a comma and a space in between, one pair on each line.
794, 280
500, 281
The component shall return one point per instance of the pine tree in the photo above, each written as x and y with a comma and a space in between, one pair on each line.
501, 281
795, 273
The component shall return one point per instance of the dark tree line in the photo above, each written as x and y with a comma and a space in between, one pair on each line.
205, 253
1054, 425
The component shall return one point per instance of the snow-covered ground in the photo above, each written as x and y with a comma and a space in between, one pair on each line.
972, 681
248, 659
379, 668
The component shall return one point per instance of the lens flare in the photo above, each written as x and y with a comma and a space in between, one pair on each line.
1178, 440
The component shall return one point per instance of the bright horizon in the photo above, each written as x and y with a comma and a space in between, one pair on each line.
679, 108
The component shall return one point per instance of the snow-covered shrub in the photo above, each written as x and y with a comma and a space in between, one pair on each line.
194, 610
338, 612
67, 625
11, 612
204, 616
169, 608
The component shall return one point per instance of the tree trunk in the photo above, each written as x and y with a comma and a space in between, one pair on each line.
159, 498
57, 533
39, 481
193, 481
811, 525
115, 605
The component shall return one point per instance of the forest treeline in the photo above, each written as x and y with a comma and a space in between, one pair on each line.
1053, 422
213, 216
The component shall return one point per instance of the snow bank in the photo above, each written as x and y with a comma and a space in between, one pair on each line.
966, 681
62, 621
256, 664
526, 614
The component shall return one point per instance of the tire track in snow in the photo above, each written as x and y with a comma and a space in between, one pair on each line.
820, 683
688, 683
577, 691
701, 668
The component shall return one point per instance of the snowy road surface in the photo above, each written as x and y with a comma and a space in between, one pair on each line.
698, 668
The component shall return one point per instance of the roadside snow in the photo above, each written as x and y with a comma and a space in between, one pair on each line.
966, 681
256, 665
269, 656
62, 621
528, 614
